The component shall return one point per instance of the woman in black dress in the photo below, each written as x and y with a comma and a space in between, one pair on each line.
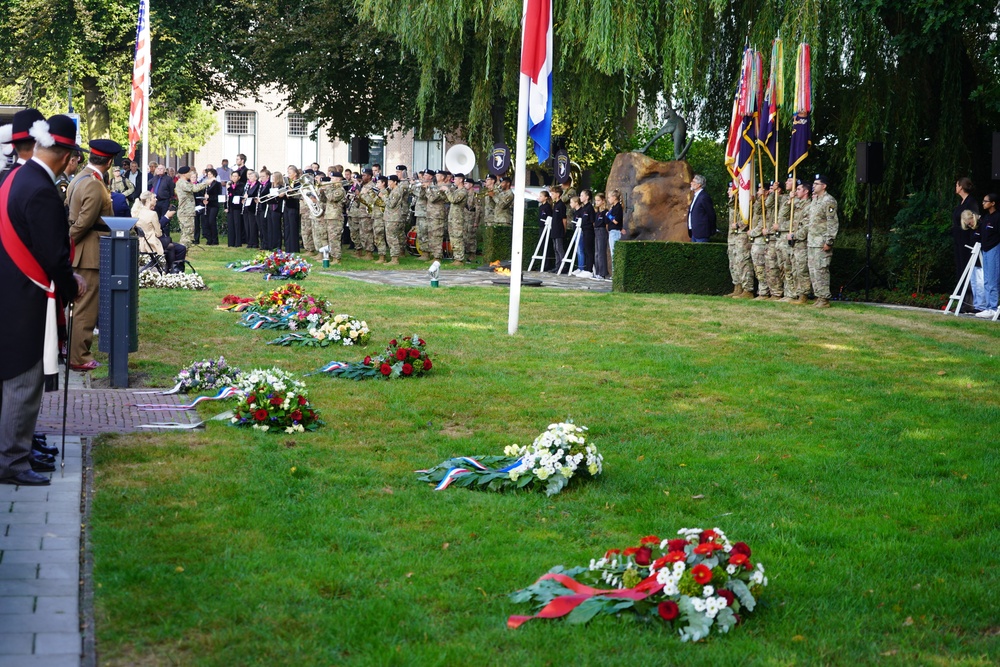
210, 216
236, 193
587, 219
558, 234
293, 222
600, 238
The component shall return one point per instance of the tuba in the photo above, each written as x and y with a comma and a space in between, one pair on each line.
310, 195
460, 160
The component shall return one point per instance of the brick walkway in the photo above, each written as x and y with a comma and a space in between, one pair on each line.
41, 620
470, 278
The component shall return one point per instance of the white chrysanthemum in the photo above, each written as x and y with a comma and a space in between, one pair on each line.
708, 591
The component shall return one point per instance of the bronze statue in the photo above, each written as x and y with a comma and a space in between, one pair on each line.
675, 126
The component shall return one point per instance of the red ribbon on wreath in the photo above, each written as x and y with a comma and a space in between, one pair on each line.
563, 605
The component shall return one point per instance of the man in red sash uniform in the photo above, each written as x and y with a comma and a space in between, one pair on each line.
34, 268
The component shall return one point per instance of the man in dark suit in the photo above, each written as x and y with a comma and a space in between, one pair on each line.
162, 186
34, 268
701, 212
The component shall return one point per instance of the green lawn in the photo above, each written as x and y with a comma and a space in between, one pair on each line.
853, 448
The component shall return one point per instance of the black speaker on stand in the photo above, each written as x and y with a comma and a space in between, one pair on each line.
996, 156
359, 154
870, 170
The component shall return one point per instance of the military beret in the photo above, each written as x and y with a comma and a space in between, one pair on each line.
506, 179
820, 178
184, 170
400, 167
460, 175
368, 170
336, 174
105, 148
23, 120
394, 178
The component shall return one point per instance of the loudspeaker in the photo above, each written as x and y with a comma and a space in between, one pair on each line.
359, 151
870, 162
996, 156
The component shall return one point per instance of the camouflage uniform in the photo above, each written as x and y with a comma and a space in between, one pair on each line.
352, 222
365, 202
471, 225
774, 259
731, 250
306, 243
758, 250
456, 222
378, 223
185, 208
394, 216
437, 197
823, 227
319, 224
504, 211
800, 262
419, 193
489, 206
333, 215
741, 254
404, 218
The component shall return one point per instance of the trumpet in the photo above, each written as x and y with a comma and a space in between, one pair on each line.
277, 192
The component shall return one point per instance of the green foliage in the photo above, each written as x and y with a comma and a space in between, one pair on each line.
497, 243
664, 267
919, 253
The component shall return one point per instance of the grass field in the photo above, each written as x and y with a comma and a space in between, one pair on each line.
854, 448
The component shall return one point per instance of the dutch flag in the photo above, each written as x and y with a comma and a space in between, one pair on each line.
536, 64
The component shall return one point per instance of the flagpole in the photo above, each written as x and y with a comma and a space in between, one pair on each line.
520, 171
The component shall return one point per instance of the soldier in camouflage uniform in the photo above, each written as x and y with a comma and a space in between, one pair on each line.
568, 193
353, 207
365, 201
799, 233
419, 192
333, 214
504, 211
742, 270
319, 235
402, 184
381, 186
823, 227
185, 190
437, 197
489, 200
758, 236
457, 197
731, 244
395, 214
773, 260
471, 222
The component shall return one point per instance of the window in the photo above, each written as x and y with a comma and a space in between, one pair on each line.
241, 136
297, 125
427, 153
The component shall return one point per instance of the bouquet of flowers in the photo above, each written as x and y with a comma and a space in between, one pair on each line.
559, 454
280, 264
693, 583
341, 330
271, 301
403, 358
171, 280
206, 375
235, 303
273, 400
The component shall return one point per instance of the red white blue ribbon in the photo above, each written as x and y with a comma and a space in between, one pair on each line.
226, 392
455, 473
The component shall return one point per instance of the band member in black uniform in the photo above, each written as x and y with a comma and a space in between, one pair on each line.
600, 238
250, 205
544, 214
210, 216
236, 194
558, 234
264, 209
587, 219
274, 212
293, 221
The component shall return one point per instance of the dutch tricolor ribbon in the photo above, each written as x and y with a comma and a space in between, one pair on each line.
226, 392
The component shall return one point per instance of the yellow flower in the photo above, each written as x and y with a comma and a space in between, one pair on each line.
542, 474
513, 475
592, 468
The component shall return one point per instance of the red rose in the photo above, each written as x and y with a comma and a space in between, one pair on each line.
701, 574
392, 342
302, 400
742, 548
297, 415
707, 536
650, 539
427, 364
737, 559
260, 415
252, 398
400, 354
407, 369
612, 552
728, 595
368, 361
643, 555
676, 545
275, 400
421, 342
385, 369
667, 610
414, 353
628, 552
707, 548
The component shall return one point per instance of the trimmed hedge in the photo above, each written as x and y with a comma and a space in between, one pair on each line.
497, 243
699, 268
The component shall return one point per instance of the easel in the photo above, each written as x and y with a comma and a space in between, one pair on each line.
963, 283
574, 244
543, 242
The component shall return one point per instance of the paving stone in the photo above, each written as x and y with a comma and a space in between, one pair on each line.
16, 605
32, 587
53, 543
15, 643
44, 529
23, 506
28, 542
67, 571
54, 623
52, 604
48, 643
470, 278
19, 571
36, 555
64, 660
63, 517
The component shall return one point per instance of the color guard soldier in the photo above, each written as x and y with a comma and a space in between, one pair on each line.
333, 214
798, 237
823, 228
758, 236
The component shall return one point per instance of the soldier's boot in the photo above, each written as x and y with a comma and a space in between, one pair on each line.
745, 294
777, 297
367, 255
394, 261
786, 299
763, 297
821, 303
801, 301
379, 260
737, 291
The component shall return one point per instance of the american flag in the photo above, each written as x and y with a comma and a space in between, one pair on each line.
140, 80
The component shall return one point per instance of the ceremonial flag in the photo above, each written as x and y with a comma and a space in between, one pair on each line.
747, 108
801, 132
536, 64
733, 138
773, 99
138, 113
